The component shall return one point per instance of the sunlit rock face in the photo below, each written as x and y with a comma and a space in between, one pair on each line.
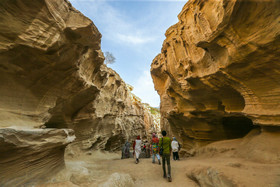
218, 71
113, 117
48, 54
53, 77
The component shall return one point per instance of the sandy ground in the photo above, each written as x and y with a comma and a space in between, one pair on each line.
145, 173
107, 169
247, 162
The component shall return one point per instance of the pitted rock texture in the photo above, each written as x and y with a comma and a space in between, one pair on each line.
52, 76
218, 71
113, 117
30, 156
48, 53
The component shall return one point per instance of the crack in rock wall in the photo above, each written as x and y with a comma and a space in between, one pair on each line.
218, 70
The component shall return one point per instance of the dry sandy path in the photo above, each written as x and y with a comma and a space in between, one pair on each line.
97, 168
148, 174
103, 169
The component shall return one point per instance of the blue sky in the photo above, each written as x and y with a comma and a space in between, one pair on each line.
133, 30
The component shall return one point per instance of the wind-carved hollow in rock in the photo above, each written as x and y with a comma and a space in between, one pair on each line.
237, 126
217, 64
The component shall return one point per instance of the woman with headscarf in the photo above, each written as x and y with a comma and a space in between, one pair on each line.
175, 149
125, 151
137, 148
154, 144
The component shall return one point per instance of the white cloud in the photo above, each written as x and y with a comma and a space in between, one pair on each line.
144, 88
134, 39
116, 26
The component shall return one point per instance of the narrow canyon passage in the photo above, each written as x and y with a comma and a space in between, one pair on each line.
65, 114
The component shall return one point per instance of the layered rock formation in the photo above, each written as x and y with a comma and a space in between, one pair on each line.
218, 71
52, 76
218, 79
28, 156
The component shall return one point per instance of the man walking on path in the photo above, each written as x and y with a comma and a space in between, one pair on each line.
154, 144
175, 149
137, 148
165, 143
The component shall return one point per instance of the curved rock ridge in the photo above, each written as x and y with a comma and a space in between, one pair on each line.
48, 53
218, 70
53, 77
29, 156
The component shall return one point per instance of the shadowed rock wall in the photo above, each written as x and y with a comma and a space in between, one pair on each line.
52, 79
218, 70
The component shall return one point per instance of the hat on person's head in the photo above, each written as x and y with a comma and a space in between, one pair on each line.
174, 138
138, 137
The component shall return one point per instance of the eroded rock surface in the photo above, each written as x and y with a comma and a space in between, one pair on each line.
218, 79
29, 156
52, 76
218, 71
249, 161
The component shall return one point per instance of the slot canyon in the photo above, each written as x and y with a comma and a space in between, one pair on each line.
65, 115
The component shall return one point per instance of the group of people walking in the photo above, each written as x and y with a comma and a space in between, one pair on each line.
158, 147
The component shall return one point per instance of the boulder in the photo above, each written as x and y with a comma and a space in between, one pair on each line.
30, 156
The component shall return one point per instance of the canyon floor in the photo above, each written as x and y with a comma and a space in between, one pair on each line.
107, 169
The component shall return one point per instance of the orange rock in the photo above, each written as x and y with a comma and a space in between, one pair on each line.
218, 70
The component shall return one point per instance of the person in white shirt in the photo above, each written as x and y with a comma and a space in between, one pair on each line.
175, 149
137, 148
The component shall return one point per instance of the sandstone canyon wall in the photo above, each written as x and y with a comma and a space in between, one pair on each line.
218, 71
55, 88
219, 83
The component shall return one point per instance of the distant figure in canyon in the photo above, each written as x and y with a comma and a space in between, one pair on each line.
125, 150
175, 149
165, 143
148, 149
154, 144
137, 148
